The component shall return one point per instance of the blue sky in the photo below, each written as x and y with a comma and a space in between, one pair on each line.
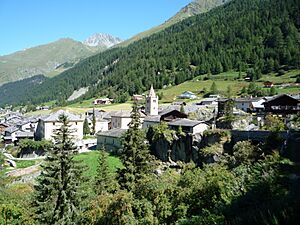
27, 23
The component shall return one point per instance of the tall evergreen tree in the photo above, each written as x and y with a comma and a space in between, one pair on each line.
228, 92
94, 122
135, 156
105, 180
57, 198
182, 108
214, 88
86, 128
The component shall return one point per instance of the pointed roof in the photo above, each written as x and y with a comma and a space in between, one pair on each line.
55, 116
152, 92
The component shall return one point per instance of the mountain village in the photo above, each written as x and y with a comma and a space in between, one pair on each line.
194, 119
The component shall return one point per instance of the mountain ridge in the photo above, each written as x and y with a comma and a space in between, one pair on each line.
194, 8
47, 58
101, 39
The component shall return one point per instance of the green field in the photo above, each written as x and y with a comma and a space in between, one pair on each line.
26, 163
90, 159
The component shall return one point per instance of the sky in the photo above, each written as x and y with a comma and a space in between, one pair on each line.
28, 23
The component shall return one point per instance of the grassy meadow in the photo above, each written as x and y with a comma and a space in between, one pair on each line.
90, 160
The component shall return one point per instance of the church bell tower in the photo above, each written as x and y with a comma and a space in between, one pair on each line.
151, 103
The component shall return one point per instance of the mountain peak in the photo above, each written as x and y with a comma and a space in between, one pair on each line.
101, 39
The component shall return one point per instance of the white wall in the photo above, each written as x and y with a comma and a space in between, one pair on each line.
200, 128
101, 126
50, 127
242, 106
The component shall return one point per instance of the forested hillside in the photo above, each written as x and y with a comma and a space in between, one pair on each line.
194, 8
259, 34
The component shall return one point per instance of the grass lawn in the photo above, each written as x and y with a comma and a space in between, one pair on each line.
289, 77
26, 163
169, 94
90, 159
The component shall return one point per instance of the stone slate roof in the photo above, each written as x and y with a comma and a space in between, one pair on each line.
124, 114
112, 133
11, 129
247, 99
185, 123
187, 109
55, 116
152, 118
24, 134
121, 114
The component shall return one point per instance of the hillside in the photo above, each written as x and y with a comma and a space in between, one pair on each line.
51, 59
194, 8
256, 37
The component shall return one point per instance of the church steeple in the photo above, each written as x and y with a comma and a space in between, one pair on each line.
151, 103
152, 92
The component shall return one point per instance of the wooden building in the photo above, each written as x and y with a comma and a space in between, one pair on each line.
282, 104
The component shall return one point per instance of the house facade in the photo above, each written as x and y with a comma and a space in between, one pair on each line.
189, 126
282, 104
110, 140
187, 95
49, 124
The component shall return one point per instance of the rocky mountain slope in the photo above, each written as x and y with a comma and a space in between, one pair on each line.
102, 40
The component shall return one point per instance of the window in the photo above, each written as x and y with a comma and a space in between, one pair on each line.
76, 123
154, 100
53, 123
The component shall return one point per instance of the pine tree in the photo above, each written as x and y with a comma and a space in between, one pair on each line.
94, 122
213, 88
105, 180
135, 153
57, 198
182, 108
86, 128
229, 92
273, 91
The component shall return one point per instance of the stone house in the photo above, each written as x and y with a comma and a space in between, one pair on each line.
121, 119
187, 95
110, 140
47, 125
189, 126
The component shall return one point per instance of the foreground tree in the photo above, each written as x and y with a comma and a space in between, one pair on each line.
57, 198
105, 179
135, 153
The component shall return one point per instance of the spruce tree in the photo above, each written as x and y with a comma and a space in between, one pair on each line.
214, 88
135, 156
86, 128
105, 179
182, 108
228, 92
57, 198
94, 122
